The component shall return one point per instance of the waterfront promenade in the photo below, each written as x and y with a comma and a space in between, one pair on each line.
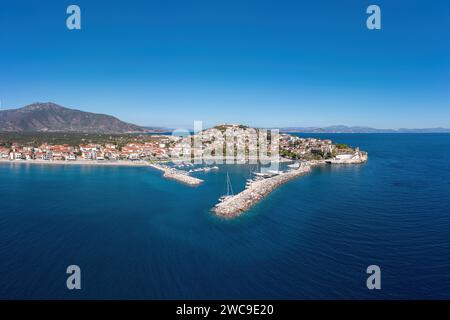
172, 173
79, 162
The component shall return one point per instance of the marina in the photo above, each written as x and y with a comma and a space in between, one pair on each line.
204, 169
256, 190
358, 157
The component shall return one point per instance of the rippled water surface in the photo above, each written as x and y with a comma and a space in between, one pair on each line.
137, 235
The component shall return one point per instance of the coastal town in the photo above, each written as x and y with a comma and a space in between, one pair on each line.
231, 141
172, 154
133, 151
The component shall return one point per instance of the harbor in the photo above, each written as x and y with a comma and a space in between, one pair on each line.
256, 189
233, 205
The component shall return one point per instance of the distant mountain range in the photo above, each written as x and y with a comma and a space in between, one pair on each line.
347, 129
158, 129
50, 117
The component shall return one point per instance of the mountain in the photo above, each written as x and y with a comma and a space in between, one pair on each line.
158, 129
50, 117
347, 129
425, 130
335, 129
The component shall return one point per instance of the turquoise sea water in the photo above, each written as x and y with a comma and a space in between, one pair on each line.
137, 235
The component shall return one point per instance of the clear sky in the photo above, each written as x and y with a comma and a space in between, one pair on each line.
262, 63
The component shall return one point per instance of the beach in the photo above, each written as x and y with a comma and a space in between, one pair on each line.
79, 162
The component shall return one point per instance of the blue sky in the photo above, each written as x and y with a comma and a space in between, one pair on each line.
262, 63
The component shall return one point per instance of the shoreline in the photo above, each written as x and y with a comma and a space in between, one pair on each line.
120, 163
229, 208
170, 173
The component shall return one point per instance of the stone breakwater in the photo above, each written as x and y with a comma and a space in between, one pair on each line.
238, 204
181, 176
235, 205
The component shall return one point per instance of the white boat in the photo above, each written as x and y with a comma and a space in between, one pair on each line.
294, 165
261, 174
248, 183
223, 198
229, 190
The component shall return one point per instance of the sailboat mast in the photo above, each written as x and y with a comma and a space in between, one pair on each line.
229, 186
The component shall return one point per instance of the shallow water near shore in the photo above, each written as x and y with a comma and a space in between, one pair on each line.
137, 235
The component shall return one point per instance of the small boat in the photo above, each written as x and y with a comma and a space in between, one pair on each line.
248, 183
223, 198
267, 174
229, 190
294, 165
261, 174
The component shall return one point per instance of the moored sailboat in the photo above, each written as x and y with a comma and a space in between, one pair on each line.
230, 192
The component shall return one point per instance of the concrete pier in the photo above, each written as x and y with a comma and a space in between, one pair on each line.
181, 176
238, 204
235, 205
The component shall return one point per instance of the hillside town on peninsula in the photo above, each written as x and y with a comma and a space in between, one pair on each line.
160, 147
172, 154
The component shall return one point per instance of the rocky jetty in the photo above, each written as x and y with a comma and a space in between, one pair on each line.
235, 205
181, 176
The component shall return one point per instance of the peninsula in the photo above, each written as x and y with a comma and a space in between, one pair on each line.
225, 143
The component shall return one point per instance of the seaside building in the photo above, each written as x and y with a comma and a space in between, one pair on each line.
4, 153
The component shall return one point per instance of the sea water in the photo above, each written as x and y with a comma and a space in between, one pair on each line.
136, 235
